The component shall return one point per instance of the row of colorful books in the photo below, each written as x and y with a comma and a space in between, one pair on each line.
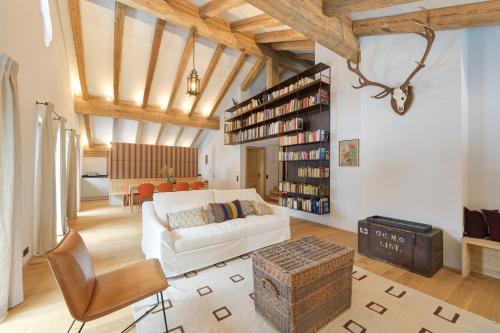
303, 137
301, 188
306, 155
321, 96
273, 95
264, 130
320, 172
313, 205
285, 90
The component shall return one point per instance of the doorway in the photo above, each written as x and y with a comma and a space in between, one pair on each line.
256, 169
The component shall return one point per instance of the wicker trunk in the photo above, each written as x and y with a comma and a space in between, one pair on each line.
301, 285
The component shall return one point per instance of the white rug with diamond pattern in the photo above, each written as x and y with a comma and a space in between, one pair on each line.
218, 299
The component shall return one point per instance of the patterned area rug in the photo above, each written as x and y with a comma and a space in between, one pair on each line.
218, 299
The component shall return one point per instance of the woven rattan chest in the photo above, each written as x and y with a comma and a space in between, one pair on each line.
300, 285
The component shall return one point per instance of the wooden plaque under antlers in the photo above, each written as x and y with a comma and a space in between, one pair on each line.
402, 97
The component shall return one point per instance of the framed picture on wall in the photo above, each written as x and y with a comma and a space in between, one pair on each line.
349, 153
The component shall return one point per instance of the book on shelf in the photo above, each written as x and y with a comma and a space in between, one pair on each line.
312, 205
321, 96
303, 137
307, 155
269, 96
301, 188
264, 130
309, 172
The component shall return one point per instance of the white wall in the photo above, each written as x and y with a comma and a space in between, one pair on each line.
484, 118
43, 75
410, 166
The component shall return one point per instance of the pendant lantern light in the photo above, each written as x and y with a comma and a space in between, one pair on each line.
193, 81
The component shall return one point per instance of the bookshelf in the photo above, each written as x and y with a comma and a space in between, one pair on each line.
297, 112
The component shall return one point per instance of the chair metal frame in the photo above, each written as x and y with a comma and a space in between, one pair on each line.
138, 319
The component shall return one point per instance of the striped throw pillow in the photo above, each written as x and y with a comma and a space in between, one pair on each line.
227, 211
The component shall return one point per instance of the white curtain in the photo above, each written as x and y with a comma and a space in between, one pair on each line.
11, 284
45, 234
72, 206
78, 172
62, 184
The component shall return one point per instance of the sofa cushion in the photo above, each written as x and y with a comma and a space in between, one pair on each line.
262, 209
493, 221
474, 224
186, 218
230, 195
226, 211
166, 202
247, 207
209, 234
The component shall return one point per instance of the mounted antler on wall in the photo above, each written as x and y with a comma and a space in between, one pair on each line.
402, 97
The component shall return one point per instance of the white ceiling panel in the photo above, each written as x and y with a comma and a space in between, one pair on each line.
226, 63
201, 138
204, 49
240, 12
102, 129
137, 40
169, 135
97, 29
187, 137
149, 132
168, 60
127, 130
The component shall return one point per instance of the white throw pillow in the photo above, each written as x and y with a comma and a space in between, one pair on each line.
186, 218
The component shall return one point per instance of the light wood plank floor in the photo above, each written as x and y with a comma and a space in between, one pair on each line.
113, 238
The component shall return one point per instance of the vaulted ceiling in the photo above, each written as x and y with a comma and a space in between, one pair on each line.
133, 56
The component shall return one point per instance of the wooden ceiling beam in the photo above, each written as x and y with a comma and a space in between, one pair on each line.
290, 62
99, 106
159, 135
216, 7
257, 67
288, 35
115, 129
118, 48
208, 74
76, 28
181, 69
307, 17
305, 56
153, 59
229, 80
455, 17
301, 45
196, 137
88, 130
272, 72
178, 136
138, 133
335, 7
254, 23
183, 14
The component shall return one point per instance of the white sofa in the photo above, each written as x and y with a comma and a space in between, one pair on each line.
183, 250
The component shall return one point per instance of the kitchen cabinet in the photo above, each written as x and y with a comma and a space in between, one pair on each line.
94, 187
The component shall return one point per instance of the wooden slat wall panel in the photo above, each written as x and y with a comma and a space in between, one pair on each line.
136, 161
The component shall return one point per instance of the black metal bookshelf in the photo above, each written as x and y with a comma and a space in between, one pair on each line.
316, 81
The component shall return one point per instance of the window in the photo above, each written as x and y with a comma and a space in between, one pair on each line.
47, 22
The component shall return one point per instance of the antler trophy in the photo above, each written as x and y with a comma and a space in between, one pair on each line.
402, 97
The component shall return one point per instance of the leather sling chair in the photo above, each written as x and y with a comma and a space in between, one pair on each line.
90, 297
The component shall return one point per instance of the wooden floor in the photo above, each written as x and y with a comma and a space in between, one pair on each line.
113, 238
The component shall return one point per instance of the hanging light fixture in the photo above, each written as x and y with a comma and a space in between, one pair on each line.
193, 81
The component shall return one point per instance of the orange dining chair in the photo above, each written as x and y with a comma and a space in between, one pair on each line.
145, 192
181, 187
165, 187
197, 186
89, 297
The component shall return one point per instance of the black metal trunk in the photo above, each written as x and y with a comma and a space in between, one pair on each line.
415, 246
